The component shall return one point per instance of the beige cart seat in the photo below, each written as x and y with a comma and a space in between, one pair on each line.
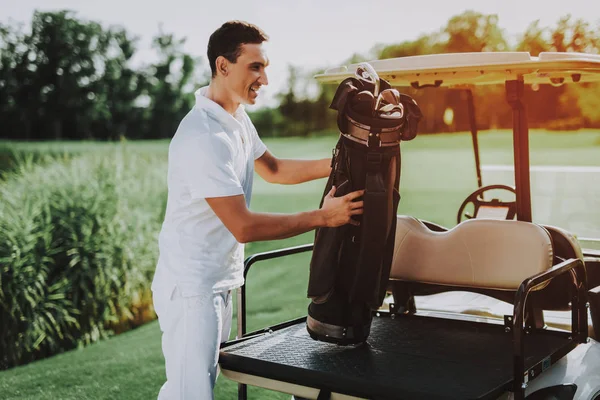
488, 254
477, 253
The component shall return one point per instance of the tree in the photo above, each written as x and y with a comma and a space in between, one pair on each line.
473, 32
13, 54
117, 88
574, 104
170, 85
66, 79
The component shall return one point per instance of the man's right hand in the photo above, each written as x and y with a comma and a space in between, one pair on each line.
339, 210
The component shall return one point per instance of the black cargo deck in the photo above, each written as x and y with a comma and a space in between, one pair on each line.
407, 357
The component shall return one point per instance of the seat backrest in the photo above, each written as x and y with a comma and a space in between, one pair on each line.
565, 244
479, 253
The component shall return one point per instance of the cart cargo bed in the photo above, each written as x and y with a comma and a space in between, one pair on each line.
412, 357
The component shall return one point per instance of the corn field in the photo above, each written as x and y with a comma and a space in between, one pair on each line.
77, 248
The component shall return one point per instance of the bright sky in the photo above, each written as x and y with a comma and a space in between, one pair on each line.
308, 34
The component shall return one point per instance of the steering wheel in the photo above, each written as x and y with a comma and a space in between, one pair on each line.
477, 199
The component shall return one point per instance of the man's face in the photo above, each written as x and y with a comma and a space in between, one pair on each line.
247, 75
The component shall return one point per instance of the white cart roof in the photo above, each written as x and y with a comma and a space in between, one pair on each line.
457, 69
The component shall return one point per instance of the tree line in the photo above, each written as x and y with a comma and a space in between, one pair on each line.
565, 107
69, 78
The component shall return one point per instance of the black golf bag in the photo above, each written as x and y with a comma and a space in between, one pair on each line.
350, 265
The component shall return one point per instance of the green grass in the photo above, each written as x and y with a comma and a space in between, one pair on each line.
437, 174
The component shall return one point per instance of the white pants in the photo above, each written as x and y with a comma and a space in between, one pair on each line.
192, 330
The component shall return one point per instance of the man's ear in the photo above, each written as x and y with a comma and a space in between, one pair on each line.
222, 65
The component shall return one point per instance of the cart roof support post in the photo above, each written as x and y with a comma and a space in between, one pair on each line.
514, 96
473, 125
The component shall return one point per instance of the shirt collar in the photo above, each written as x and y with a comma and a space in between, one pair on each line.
218, 112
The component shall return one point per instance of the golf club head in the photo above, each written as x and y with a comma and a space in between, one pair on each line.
391, 115
365, 72
386, 108
391, 111
363, 102
390, 96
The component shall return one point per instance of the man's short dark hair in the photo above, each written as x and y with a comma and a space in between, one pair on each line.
227, 41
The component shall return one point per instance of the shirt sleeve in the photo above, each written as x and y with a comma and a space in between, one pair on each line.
206, 164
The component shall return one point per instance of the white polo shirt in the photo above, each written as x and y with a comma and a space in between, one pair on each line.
211, 155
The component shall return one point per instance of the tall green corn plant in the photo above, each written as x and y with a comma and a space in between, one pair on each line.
77, 246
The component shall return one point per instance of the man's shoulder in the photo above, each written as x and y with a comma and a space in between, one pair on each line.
196, 122
198, 132
196, 127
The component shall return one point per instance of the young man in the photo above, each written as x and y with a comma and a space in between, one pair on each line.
212, 158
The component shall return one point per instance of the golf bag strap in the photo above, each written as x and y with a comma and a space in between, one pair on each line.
373, 234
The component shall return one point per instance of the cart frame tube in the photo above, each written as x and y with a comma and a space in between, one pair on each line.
579, 321
241, 294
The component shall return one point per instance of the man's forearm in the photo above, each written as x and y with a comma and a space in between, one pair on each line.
247, 226
268, 226
291, 172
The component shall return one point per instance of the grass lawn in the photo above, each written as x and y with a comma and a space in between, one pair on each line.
438, 173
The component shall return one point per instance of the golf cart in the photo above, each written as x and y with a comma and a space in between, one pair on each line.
425, 344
